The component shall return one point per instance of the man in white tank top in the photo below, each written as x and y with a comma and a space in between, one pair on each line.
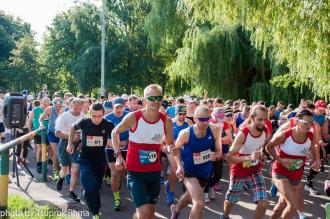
246, 160
148, 127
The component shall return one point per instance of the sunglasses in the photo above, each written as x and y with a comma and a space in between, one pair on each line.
57, 102
307, 123
204, 119
229, 114
155, 98
182, 114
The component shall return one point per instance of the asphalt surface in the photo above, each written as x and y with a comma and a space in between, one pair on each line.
44, 193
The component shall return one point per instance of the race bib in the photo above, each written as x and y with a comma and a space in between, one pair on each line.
147, 157
94, 141
296, 164
250, 163
202, 157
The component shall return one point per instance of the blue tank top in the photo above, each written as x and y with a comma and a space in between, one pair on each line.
239, 120
177, 129
195, 154
116, 120
319, 119
52, 119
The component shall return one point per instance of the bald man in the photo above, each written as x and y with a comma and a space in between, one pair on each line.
196, 147
147, 130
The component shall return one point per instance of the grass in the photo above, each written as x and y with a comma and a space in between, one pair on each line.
21, 208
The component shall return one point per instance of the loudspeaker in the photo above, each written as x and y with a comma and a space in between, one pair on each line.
15, 110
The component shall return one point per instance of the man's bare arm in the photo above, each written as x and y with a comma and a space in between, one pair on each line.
128, 123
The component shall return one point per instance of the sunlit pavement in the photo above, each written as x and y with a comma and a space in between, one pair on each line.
46, 193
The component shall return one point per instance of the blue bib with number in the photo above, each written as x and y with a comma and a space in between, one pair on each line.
147, 157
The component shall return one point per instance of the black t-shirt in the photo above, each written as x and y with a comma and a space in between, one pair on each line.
94, 137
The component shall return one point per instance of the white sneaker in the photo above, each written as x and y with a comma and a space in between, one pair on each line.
311, 190
212, 193
206, 197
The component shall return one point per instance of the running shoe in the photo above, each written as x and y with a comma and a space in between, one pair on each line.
217, 187
74, 197
169, 194
212, 194
206, 197
117, 205
273, 190
310, 189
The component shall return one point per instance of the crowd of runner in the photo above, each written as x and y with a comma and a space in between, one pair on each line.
95, 140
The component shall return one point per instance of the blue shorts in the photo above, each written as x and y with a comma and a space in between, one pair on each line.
52, 138
64, 157
256, 183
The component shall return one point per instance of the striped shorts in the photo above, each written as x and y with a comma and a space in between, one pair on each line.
256, 183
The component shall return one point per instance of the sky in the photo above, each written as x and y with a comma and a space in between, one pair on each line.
39, 13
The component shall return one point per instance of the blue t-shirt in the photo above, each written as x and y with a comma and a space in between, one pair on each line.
171, 111
116, 120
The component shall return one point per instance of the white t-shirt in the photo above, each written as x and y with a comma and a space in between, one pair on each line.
64, 122
1, 110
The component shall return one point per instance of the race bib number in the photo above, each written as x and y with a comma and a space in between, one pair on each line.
296, 164
147, 157
250, 163
202, 157
94, 141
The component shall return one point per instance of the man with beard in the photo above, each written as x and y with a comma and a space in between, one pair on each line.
246, 158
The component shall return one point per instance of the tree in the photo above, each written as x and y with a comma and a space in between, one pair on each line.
231, 53
18, 65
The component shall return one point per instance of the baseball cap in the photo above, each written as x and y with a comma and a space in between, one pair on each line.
118, 101
321, 104
181, 109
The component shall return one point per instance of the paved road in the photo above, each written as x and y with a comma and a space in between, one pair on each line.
46, 193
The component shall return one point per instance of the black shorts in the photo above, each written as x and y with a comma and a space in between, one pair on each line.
202, 181
327, 150
2, 127
37, 139
144, 187
162, 154
110, 157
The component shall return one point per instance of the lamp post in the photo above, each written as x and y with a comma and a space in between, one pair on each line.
102, 91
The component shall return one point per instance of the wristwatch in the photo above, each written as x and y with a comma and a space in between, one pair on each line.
115, 154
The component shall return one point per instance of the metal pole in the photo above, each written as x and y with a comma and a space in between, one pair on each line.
4, 166
44, 156
4, 169
102, 49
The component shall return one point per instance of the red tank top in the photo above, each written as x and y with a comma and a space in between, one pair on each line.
250, 145
297, 151
144, 144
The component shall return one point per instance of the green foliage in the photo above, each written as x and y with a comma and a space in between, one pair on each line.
20, 206
245, 49
18, 65
296, 33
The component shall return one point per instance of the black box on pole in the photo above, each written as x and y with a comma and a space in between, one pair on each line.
15, 110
